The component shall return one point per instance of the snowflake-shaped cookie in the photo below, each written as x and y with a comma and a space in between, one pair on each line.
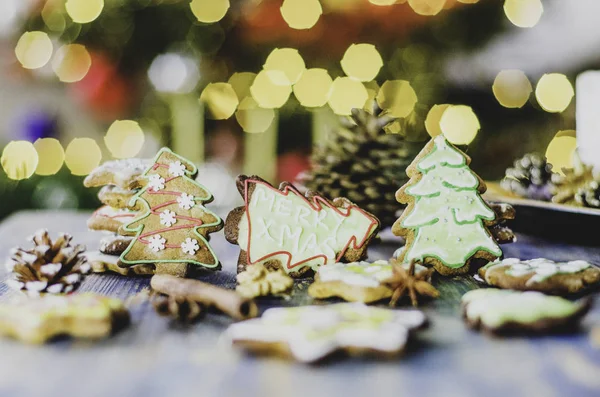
186, 201
168, 218
156, 182
176, 168
190, 246
157, 243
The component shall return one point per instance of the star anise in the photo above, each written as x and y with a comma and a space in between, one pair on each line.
410, 282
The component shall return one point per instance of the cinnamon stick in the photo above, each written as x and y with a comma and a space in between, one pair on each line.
227, 301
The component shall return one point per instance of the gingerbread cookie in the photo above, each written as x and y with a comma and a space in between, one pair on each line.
85, 315
114, 244
173, 229
257, 280
116, 197
354, 282
503, 311
110, 219
541, 275
125, 173
103, 263
445, 223
310, 333
281, 228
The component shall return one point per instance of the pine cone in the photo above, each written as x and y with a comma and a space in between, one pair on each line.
184, 310
364, 163
50, 267
256, 280
531, 177
578, 186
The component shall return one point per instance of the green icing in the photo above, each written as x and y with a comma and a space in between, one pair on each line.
497, 307
448, 211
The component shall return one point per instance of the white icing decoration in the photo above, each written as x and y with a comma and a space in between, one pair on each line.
156, 182
168, 218
176, 168
190, 246
157, 243
362, 274
540, 268
186, 201
289, 223
122, 171
313, 332
116, 214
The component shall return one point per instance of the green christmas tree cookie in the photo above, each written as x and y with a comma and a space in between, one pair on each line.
445, 223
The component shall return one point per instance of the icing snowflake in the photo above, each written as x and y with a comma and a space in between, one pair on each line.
168, 218
190, 246
157, 243
156, 182
186, 201
176, 168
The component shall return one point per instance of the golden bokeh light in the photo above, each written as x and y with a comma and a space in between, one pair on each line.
397, 98
523, 13
468, 1
241, 83
459, 124
561, 150
554, 92
71, 63
395, 127
84, 11
267, 93
383, 2
313, 88
19, 160
301, 14
288, 61
512, 88
124, 139
427, 7
362, 62
51, 156
209, 11
432, 121
82, 156
252, 118
220, 99
34, 50
347, 94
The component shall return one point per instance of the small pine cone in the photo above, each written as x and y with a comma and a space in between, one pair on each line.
256, 280
50, 267
531, 177
578, 186
589, 195
181, 309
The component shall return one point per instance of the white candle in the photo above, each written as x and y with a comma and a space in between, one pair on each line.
588, 117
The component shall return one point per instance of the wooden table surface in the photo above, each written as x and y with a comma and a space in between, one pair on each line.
154, 357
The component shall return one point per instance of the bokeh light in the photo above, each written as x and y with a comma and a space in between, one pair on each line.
34, 50
19, 160
267, 92
427, 7
173, 73
301, 14
288, 61
459, 124
347, 94
124, 139
241, 83
84, 11
220, 99
51, 156
432, 121
561, 150
82, 156
71, 63
209, 11
397, 98
362, 62
372, 91
313, 88
252, 118
523, 13
468, 1
383, 2
554, 92
512, 88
